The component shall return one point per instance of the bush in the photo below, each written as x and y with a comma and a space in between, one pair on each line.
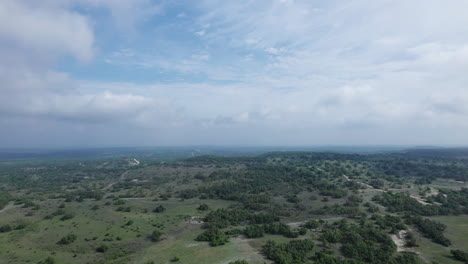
119, 202
431, 229
155, 236
254, 231
102, 248
48, 260
295, 251
311, 224
67, 216
410, 240
214, 236
159, 209
5, 228
404, 259
68, 239
21, 225
203, 207
302, 231
460, 255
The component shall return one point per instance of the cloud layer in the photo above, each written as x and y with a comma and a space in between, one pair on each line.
277, 72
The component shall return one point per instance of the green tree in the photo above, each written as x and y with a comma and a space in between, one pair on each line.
239, 262
48, 260
102, 248
460, 255
159, 209
156, 235
68, 239
203, 207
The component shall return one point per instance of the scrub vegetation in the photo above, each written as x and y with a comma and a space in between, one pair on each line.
277, 207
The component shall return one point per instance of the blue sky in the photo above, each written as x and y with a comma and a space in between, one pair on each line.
279, 72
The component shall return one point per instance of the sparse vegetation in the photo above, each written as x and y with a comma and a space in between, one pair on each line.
288, 207
68, 239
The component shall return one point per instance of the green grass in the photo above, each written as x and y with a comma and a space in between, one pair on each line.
180, 242
39, 239
457, 232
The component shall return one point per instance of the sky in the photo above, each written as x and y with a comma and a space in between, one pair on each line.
87, 73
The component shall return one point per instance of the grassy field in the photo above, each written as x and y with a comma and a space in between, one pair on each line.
112, 203
39, 239
180, 242
457, 232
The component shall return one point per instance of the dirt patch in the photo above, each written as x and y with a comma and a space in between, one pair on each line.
364, 184
399, 240
295, 224
193, 245
121, 178
196, 220
421, 201
6, 208
135, 246
249, 253
433, 192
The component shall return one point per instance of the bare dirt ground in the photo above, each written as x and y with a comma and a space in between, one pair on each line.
6, 208
249, 253
196, 220
364, 184
433, 192
421, 201
399, 240
295, 224
121, 178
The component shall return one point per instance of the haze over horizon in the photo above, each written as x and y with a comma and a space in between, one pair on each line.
280, 72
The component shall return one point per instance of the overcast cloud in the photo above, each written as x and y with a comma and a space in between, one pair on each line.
278, 72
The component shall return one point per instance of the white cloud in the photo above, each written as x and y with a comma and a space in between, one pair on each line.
201, 33
45, 31
404, 57
127, 14
33, 37
291, 71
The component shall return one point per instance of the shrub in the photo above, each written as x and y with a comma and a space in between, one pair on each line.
203, 207
48, 260
214, 236
67, 216
159, 209
68, 239
155, 236
460, 255
102, 248
5, 228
